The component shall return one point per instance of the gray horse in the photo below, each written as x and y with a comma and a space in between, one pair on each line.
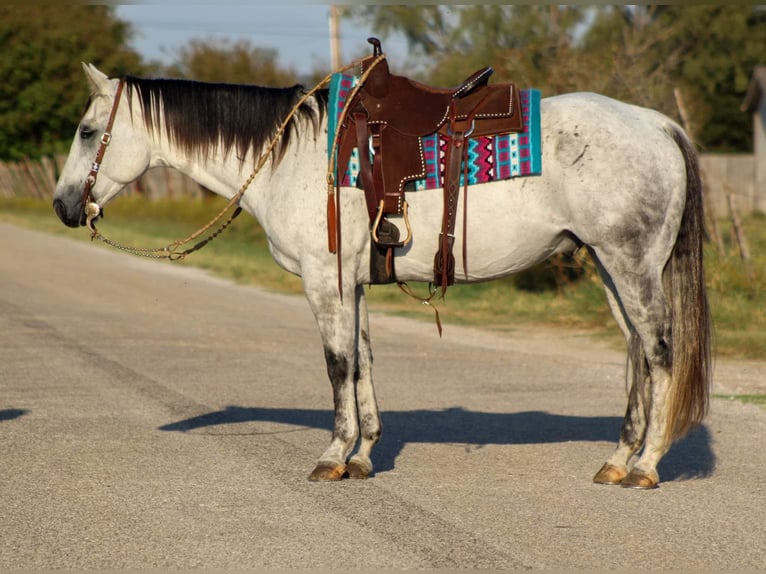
619, 180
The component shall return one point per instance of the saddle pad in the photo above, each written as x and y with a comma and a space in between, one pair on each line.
489, 158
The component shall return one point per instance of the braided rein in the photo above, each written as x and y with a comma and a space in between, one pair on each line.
172, 251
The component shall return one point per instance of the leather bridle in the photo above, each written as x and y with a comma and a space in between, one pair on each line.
106, 139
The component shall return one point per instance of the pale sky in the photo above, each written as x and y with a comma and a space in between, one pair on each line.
299, 32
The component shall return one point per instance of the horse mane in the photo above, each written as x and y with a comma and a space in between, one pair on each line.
201, 118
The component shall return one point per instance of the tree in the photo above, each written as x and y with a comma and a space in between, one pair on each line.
721, 45
43, 88
237, 62
706, 51
638, 54
457, 40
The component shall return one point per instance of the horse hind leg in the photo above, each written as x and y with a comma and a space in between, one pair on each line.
646, 311
633, 431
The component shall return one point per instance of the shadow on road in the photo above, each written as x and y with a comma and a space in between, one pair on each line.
691, 457
10, 414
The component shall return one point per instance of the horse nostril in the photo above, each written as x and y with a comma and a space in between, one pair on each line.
61, 211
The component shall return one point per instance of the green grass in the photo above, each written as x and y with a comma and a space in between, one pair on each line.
543, 295
747, 399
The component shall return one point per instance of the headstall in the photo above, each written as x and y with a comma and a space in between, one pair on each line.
106, 139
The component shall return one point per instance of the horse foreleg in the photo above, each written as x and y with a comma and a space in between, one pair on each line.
337, 323
360, 465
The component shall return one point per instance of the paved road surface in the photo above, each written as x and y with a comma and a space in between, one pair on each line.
153, 417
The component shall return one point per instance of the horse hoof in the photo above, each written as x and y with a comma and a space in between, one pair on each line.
327, 472
640, 480
358, 468
610, 474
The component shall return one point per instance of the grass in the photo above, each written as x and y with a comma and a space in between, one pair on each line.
545, 295
759, 400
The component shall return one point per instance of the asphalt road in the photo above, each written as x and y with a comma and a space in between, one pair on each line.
154, 417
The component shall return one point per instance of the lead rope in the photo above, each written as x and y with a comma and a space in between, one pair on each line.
171, 251
407, 290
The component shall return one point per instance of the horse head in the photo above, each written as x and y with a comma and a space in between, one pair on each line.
95, 170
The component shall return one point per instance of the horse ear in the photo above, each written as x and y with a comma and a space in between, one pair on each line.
99, 81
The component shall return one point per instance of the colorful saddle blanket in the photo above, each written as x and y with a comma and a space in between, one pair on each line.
489, 158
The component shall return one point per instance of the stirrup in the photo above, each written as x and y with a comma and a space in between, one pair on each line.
376, 225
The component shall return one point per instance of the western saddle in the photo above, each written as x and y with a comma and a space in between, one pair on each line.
385, 119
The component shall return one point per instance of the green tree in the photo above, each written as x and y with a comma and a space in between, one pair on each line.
234, 62
617, 55
639, 54
719, 46
43, 88
705, 52
524, 41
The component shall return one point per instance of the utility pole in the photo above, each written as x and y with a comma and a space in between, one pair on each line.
334, 37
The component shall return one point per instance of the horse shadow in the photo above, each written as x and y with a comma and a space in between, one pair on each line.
10, 414
691, 457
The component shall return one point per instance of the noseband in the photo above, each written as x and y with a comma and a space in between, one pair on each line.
106, 138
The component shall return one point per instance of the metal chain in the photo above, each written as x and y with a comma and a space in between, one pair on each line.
167, 252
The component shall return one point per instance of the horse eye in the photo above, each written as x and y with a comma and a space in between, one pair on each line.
86, 132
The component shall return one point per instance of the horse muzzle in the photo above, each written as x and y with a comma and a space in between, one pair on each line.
74, 215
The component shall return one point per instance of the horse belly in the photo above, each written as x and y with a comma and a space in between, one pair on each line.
511, 225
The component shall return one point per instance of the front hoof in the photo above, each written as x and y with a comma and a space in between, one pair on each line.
640, 480
327, 472
359, 468
610, 474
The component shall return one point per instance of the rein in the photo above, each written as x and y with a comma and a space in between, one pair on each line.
172, 251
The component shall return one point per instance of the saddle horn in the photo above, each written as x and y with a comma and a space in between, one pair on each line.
377, 50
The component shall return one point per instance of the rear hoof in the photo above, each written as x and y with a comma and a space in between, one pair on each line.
358, 468
325, 472
610, 474
640, 480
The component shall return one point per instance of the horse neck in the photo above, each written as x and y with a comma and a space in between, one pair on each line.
226, 175
218, 174
215, 172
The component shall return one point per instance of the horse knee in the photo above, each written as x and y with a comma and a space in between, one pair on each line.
337, 366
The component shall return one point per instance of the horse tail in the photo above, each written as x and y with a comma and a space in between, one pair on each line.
684, 284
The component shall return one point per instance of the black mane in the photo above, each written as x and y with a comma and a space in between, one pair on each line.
201, 117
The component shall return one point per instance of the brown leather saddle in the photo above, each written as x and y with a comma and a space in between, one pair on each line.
386, 120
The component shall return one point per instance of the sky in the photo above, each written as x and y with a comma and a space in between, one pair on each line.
300, 33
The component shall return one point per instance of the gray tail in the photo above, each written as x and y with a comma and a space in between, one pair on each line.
684, 280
